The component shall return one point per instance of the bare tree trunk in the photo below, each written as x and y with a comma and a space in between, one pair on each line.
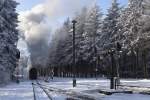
137, 62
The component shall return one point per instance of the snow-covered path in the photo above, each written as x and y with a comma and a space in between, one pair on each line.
22, 91
62, 89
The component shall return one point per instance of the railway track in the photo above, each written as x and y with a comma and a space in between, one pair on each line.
132, 86
35, 94
72, 95
136, 89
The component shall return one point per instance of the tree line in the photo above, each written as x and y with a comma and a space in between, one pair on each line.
97, 34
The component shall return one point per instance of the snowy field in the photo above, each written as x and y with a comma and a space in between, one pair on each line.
61, 89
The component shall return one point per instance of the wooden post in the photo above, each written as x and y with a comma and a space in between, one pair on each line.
74, 63
145, 64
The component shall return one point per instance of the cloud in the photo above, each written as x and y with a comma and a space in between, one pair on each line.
37, 34
57, 10
36, 24
33, 24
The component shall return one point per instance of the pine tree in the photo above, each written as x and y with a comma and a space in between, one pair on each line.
130, 23
110, 26
145, 33
66, 56
9, 54
62, 42
80, 30
130, 33
92, 33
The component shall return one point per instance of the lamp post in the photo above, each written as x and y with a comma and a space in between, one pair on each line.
73, 51
119, 47
112, 81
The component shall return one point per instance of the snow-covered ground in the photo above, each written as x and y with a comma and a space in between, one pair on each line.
61, 88
22, 91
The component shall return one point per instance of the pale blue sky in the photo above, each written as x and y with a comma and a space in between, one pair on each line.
57, 11
28, 4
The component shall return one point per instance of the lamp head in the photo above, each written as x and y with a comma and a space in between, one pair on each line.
74, 21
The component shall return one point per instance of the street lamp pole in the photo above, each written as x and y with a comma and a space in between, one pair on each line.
119, 47
74, 63
112, 81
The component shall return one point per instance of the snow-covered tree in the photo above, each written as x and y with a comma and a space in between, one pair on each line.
79, 35
62, 42
88, 30
92, 32
129, 26
134, 29
9, 54
110, 26
130, 23
145, 17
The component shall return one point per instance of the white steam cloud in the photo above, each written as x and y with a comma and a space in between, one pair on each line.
55, 11
36, 24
